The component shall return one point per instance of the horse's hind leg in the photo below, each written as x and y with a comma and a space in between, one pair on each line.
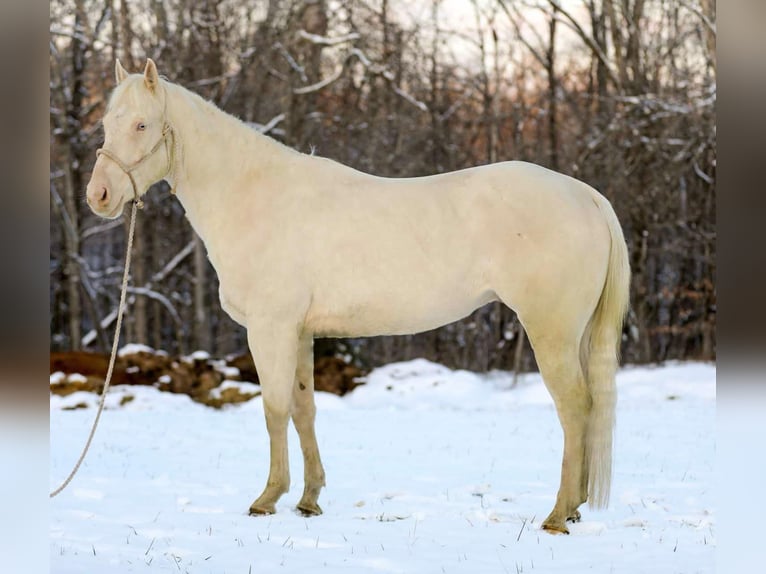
275, 352
304, 414
559, 362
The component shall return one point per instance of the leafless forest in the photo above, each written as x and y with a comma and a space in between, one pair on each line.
618, 93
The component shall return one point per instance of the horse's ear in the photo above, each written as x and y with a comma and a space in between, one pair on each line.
151, 77
119, 72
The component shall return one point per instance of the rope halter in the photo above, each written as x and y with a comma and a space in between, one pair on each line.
128, 169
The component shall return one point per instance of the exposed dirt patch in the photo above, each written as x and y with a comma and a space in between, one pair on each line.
198, 376
75, 407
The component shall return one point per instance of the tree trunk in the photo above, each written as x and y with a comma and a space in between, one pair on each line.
140, 326
72, 267
73, 175
126, 36
156, 308
434, 81
552, 91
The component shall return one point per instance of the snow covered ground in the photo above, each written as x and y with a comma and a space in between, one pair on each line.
428, 470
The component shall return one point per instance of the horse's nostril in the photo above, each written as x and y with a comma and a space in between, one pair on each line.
104, 194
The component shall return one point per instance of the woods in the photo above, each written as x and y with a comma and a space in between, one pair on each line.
618, 93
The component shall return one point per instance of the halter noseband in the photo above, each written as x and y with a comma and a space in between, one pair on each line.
167, 129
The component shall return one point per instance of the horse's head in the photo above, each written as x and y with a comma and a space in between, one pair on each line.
138, 142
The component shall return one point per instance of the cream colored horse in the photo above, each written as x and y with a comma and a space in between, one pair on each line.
305, 247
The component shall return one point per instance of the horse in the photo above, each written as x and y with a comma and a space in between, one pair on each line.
305, 247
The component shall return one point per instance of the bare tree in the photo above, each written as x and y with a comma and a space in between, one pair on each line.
620, 94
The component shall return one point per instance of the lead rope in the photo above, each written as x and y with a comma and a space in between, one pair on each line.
120, 311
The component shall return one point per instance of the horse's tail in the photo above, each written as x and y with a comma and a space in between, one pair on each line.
599, 356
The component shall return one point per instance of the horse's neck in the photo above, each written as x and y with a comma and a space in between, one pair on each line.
221, 159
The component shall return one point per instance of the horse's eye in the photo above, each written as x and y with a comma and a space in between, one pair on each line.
141, 126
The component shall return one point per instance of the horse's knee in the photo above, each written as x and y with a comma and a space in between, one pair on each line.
276, 421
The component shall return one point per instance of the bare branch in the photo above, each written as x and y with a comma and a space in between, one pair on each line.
268, 126
60, 208
573, 24
322, 83
373, 68
456, 105
695, 8
157, 296
279, 47
515, 22
172, 264
90, 336
325, 41
702, 175
95, 230
212, 80
74, 35
411, 99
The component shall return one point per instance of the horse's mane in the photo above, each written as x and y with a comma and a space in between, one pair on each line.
132, 88
212, 112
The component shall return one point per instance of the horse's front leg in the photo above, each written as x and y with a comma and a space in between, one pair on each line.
304, 414
275, 349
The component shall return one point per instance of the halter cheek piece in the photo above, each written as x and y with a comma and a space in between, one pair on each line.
167, 129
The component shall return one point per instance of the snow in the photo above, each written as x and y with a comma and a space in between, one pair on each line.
242, 387
133, 348
445, 471
57, 378
228, 372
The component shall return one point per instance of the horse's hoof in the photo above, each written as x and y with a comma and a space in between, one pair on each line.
551, 528
576, 516
308, 509
262, 509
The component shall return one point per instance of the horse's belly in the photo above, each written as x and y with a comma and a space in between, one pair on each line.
392, 315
